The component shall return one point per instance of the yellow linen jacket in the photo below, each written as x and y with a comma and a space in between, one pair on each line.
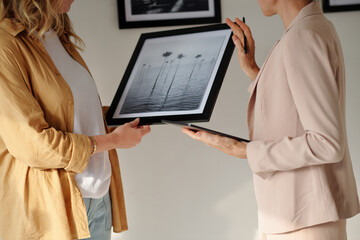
39, 154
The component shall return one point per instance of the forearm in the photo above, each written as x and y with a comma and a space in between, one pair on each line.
124, 136
227, 145
102, 143
231, 147
253, 71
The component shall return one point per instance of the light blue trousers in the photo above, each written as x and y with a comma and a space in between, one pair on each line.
99, 217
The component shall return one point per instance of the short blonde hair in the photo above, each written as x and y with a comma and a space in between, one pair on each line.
39, 16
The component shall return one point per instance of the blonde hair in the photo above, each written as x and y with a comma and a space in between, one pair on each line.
39, 16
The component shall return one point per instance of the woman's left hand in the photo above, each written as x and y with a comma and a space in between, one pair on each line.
246, 60
224, 144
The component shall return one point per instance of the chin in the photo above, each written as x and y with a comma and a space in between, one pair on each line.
268, 14
64, 10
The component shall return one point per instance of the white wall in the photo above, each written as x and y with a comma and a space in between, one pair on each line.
179, 189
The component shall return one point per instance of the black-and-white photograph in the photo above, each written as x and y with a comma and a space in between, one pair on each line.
150, 13
167, 6
174, 75
341, 5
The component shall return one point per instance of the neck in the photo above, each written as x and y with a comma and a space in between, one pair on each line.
289, 9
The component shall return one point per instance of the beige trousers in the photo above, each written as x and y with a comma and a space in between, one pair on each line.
326, 231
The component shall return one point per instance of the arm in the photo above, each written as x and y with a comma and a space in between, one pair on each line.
249, 66
23, 128
247, 61
224, 144
124, 136
29, 138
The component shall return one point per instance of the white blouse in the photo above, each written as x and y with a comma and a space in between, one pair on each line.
94, 182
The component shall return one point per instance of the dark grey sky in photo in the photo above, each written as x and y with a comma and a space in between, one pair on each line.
167, 6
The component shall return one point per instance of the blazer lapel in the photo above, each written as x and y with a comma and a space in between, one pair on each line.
252, 90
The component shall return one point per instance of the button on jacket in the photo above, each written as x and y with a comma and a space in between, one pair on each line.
299, 153
39, 154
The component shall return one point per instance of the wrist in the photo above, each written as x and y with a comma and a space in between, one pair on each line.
254, 71
111, 140
240, 150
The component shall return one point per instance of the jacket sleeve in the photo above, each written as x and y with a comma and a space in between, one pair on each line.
312, 78
26, 134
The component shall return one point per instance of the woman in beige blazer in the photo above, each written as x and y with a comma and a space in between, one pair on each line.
303, 176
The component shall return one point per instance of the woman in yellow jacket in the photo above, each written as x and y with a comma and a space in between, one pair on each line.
57, 159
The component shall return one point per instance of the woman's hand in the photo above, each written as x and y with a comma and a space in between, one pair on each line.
129, 134
124, 136
224, 144
247, 61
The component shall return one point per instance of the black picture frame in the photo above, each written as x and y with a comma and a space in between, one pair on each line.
173, 75
332, 6
155, 13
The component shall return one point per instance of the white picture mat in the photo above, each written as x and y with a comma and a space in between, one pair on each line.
163, 40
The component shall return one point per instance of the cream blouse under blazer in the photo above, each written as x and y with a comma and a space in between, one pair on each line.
299, 153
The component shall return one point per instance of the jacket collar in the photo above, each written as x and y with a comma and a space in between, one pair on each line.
310, 9
11, 26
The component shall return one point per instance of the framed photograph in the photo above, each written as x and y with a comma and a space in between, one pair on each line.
341, 5
152, 13
173, 75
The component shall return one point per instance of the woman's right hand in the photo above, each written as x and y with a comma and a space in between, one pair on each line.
246, 60
129, 134
124, 136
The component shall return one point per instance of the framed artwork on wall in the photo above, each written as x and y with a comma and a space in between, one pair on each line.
173, 75
153, 13
341, 5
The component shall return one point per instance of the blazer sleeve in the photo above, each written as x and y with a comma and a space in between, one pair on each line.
312, 78
23, 128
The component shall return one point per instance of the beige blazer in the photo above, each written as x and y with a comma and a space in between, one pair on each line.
299, 153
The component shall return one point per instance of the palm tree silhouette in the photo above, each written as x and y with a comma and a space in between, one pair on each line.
165, 55
141, 77
196, 62
201, 64
167, 75
180, 56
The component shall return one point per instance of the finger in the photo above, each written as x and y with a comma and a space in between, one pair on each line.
134, 123
236, 29
238, 43
145, 130
198, 135
245, 28
188, 132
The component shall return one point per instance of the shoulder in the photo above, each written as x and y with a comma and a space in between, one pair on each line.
7, 41
311, 31
9, 32
9, 47
10, 53
313, 40
11, 38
